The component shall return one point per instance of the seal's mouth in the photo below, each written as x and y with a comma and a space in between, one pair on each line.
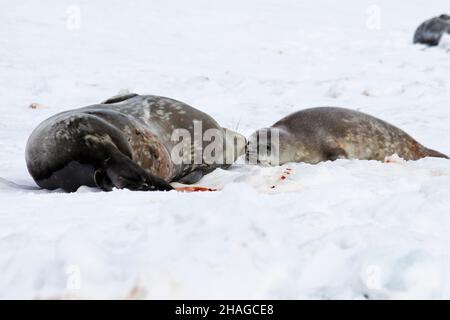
236, 145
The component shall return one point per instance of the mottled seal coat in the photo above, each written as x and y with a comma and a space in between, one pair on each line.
330, 133
124, 142
430, 32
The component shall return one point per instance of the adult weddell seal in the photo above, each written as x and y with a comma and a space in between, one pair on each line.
137, 142
329, 133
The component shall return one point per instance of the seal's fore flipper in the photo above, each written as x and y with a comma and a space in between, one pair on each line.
123, 173
333, 154
119, 98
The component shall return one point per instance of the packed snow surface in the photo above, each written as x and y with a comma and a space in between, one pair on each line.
343, 229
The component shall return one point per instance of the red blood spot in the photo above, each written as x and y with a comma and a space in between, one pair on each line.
283, 177
194, 189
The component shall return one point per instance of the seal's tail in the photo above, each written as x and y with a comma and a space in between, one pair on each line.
435, 154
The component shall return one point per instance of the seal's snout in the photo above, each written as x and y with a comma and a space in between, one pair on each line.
251, 149
235, 145
431, 31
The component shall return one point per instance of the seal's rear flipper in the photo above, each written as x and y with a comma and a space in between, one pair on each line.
122, 173
436, 154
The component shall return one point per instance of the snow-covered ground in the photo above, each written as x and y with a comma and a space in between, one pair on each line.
344, 229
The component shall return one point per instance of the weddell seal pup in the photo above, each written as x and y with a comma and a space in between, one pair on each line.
137, 142
329, 133
431, 31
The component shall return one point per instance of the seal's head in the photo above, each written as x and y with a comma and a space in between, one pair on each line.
269, 147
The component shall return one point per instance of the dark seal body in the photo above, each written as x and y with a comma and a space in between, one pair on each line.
125, 142
431, 31
329, 133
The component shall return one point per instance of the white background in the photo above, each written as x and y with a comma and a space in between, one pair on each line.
344, 229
